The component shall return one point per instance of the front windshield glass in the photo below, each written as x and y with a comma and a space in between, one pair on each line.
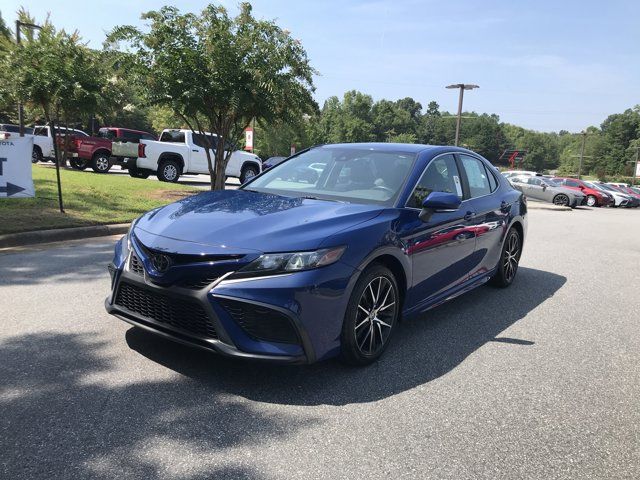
344, 174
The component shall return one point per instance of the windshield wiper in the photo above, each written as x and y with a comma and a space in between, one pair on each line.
311, 197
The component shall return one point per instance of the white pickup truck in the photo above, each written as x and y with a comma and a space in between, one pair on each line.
42, 138
180, 151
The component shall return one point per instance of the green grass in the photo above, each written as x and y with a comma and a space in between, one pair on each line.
89, 199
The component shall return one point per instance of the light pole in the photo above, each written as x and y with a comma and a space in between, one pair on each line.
20, 109
462, 87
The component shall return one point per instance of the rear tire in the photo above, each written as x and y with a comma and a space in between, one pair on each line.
509, 260
371, 317
168, 171
138, 173
78, 163
100, 163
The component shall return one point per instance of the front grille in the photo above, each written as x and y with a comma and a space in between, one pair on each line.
135, 265
181, 313
261, 323
197, 283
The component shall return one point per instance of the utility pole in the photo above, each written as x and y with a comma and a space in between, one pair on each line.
635, 166
462, 87
20, 107
584, 139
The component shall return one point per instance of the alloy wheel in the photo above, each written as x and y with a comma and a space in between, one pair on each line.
591, 201
561, 200
375, 315
170, 172
102, 163
511, 257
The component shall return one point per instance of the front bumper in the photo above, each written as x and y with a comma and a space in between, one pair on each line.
312, 302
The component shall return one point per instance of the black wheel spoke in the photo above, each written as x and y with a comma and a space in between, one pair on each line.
375, 315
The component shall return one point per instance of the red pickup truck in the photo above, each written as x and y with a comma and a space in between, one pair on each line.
95, 152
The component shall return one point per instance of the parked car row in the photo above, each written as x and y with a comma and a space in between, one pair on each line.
573, 192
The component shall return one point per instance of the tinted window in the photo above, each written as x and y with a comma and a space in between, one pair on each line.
200, 140
133, 137
571, 183
493, 183
107, 133
534, 181
441, 175
172, 136
146, 136
476, 176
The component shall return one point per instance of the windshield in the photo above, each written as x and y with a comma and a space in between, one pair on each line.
344, 174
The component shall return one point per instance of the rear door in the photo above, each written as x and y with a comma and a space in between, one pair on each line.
199, 162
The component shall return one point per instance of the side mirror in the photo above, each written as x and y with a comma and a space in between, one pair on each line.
439, 202
544, 186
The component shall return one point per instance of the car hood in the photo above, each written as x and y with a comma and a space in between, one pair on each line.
239, 221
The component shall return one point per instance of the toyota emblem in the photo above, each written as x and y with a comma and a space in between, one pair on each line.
160, 262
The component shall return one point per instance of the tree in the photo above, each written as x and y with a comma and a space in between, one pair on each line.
217, 73
51, 71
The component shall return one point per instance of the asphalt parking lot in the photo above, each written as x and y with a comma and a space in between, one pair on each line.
537, 381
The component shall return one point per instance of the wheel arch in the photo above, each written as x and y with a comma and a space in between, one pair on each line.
101, 150
171, 156
390, 260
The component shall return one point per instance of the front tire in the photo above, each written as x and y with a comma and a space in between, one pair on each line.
509, 260
371, 317
168, 171
36, 155
561, 199
100, 163
248, 173
592, 201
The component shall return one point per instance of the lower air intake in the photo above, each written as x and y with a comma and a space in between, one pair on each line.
261, 323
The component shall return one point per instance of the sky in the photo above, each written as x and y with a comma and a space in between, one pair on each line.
545, 65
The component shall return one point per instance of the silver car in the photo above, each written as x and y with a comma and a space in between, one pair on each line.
545, 189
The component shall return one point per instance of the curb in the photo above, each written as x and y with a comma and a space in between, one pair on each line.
61, 234
533, 205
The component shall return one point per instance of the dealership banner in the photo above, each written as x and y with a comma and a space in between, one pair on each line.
15, 168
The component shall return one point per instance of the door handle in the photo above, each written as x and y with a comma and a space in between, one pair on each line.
195, 150
469, 215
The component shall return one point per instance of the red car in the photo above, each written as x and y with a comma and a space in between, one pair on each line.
595, 198
95, 152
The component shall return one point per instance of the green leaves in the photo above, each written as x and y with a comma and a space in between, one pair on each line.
218, 72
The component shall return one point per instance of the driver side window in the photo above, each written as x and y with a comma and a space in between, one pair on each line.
440, 176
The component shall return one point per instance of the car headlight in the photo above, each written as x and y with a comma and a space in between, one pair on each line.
272, 263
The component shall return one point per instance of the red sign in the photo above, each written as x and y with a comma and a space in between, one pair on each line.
248, 139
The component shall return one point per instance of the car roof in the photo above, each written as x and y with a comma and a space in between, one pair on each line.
126, 129
398, 147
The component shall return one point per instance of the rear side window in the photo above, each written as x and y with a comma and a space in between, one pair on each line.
146, 136
441, 175
477, 176
571, 183
201, 140
172, 136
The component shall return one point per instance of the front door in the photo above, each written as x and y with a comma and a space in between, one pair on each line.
441, 249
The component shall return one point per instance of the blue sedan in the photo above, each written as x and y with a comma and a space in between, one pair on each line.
321, 255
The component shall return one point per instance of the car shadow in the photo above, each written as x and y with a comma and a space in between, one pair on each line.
422, 350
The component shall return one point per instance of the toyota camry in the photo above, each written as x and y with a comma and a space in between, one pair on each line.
322, 255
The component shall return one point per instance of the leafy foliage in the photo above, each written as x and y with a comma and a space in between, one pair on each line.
217, 73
